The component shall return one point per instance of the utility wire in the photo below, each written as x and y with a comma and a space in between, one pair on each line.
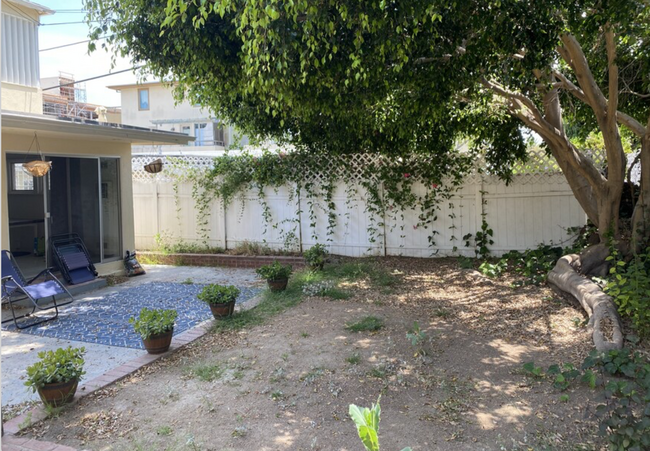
93, 78
72, 43
67, 23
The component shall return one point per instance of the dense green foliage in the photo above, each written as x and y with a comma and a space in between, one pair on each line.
629, 285
316, 256
218, 294
154, 322
274, 271
62, 365
622, 378
400, 78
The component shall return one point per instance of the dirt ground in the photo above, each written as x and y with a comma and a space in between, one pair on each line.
287, 385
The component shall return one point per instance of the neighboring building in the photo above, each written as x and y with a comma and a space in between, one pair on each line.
88, 191
153, 105
63, 97
20, 67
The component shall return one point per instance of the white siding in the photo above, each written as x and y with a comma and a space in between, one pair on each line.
20, 51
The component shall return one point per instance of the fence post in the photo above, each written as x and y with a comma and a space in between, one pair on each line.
298, 193
157, 207
479, 207
225, 222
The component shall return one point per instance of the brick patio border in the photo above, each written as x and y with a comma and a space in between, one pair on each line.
10, 442
236, 261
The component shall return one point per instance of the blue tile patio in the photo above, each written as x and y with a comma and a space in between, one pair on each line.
105, 320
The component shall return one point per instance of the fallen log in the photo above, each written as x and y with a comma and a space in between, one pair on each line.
607, 332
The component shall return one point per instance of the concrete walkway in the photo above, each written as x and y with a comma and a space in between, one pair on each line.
19, 350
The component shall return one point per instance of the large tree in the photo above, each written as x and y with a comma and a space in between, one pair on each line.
412, 77
409, 77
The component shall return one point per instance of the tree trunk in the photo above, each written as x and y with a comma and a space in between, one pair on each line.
603, 318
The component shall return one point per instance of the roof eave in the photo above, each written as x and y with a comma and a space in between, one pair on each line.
134, 135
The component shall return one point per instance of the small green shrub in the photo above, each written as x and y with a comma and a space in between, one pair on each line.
493, 270
623, 379
367, 423
534, 264
153, 322
316, 256
274, 271
218, 294
60, 366
629, 285
367, 324
417, 336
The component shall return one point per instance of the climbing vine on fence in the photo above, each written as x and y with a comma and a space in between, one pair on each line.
388, 184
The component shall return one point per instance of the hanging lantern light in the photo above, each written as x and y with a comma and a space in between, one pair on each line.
154, 167
37, 168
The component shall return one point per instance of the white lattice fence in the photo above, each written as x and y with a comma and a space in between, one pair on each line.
538, 206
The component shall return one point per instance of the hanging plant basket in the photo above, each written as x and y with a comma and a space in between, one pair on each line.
154, 167
37, 168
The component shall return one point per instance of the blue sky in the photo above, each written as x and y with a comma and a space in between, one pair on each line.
75, 59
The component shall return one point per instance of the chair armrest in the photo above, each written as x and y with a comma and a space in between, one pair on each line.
46, 271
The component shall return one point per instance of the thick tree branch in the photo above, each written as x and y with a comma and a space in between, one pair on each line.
612, 70
631, 123
586, 79
572, 88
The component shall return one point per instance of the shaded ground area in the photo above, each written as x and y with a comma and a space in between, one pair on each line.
286, 384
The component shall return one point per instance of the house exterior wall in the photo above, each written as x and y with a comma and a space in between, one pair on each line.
69, 146
23, 99
163, 107
19, 59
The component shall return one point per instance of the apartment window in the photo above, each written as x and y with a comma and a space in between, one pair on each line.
143, 99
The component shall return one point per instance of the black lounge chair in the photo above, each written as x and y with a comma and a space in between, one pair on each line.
15, 288
72, 258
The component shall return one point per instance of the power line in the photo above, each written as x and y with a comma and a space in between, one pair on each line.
67, 23
93, 78
71, 44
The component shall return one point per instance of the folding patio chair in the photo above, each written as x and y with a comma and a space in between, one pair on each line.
72, 258
15, 288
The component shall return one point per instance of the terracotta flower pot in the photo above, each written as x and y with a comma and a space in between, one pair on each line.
157, 344
222, 310
58, 393
278, 285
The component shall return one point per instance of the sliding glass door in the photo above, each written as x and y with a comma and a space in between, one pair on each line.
82, 197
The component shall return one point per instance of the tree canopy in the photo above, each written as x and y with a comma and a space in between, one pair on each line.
410, 77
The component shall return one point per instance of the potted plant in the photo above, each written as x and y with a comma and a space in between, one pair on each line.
316, 256
156, 327
276, 275
56, 375
220, 298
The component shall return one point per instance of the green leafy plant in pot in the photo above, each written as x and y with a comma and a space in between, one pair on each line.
276, 275
316, 256
56, 375
220, 298
156, 328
